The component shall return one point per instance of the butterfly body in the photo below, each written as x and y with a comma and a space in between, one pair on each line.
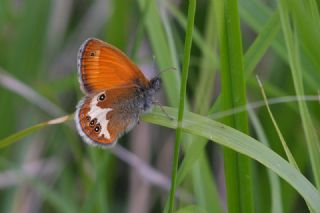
117, 93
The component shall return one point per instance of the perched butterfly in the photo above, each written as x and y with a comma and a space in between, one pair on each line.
117, 92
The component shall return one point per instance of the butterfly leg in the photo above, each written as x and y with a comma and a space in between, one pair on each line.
158, 103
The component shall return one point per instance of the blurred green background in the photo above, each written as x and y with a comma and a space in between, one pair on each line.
54, 171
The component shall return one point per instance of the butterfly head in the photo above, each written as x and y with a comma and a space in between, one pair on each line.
147, 93
155, 84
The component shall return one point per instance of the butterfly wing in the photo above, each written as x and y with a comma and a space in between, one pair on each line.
101, 118
102, 66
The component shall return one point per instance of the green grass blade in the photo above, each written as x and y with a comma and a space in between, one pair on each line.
191, 209
292, 45
312, 6
275, 187
283, 142
308, 28
262, 43
197, 37
15, 137
255, 14
167, 25
97, 198
281, 137
162, 52
206, 196
204, 184
208, 64
233, 94
140, 31
242, 143
233, 139
205, 85
183, 88
205, 187
23, 133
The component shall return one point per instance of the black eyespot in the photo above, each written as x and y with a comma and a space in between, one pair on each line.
88, 118
92, 53
97, 128
93, 122
102, 97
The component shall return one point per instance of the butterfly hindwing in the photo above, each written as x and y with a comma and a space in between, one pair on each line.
102, 66
103, 117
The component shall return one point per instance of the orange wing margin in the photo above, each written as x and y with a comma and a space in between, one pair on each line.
102, 66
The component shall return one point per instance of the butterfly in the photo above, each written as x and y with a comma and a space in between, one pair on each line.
116, 93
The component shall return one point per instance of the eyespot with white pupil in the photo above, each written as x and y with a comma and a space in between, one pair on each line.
101, 97
97, 129
92, 122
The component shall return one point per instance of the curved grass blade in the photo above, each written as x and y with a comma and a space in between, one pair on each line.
233, 139
242, 143
15, 137
274, 180
281, 137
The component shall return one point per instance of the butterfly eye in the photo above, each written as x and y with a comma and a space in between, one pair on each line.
97, 128
92, 53
92, 122
102, 97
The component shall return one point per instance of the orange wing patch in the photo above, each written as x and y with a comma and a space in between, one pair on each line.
102, 66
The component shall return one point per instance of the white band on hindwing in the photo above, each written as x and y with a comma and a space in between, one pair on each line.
100, 114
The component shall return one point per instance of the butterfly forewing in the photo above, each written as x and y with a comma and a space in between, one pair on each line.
102, 66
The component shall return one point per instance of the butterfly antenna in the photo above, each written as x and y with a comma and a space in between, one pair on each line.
154, 63
162, 109
161, 71
167, 69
